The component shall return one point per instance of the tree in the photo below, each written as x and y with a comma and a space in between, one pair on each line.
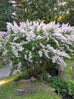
47, 10
5, 15
69, 16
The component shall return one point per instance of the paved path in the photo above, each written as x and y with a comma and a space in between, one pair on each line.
5, 72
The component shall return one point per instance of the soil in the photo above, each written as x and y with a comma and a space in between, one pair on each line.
66, 97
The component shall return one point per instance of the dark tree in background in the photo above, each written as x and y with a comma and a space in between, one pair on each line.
44, 10
69, 17
47, 10
5, 14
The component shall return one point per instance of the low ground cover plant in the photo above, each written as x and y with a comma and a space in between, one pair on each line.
33, 45
63, 86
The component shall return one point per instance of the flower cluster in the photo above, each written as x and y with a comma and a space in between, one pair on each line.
32, 43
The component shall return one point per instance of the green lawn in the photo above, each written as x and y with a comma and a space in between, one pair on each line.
0, 63
32, 90
2, 66
69, 69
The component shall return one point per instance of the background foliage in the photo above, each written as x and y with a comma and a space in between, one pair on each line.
5, 14
47, 10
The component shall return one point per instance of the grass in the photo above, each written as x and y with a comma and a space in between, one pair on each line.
69, 69
0, 63
32, 90
2, 66
9, 88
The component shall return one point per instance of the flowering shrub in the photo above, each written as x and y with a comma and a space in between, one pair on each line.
35, 44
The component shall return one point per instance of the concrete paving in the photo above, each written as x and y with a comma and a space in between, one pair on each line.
5, 72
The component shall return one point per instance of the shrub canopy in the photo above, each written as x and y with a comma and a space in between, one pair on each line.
33, 44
